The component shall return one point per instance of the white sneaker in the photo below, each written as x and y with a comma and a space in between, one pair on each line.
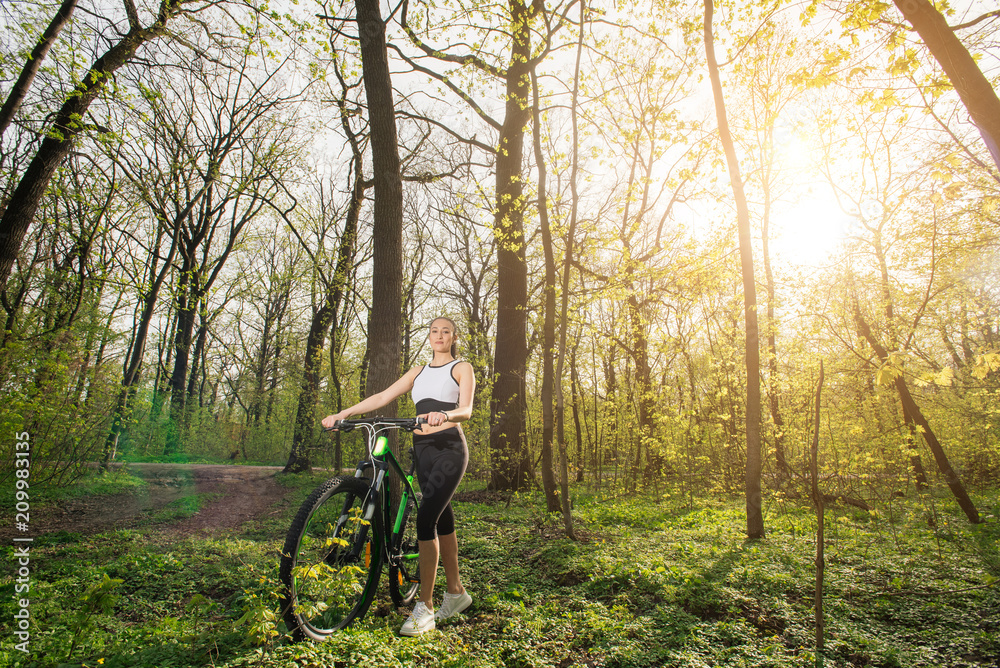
421, 620
453, 604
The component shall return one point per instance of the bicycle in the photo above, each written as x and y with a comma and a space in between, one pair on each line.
342, 535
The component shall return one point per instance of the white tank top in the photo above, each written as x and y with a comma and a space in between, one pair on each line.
437, 383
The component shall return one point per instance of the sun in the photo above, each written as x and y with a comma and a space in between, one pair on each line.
807, 224
808, 231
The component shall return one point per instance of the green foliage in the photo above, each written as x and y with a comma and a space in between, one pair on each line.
186, 506
655, 580
118, 481
99, 599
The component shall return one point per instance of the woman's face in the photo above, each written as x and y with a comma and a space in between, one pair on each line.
442, 334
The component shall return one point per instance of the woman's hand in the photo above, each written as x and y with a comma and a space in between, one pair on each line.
331, 420
435, 418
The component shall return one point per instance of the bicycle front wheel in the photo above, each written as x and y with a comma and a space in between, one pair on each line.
404, 564
332, 559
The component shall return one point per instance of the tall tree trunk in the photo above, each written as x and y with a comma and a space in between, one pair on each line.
910, 407
773, 397
187, 304
197, 373
508, 447
66, 125
549, 325
820, 521
305, 414
643, 386
564, 312
570, 240
916, 465
30, 69
386, 324
970, 83
755, 516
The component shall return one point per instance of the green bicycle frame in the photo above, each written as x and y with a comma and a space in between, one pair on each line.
382, 461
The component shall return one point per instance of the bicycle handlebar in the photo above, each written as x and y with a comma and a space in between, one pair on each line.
409, 424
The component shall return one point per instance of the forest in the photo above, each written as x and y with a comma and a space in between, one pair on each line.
740, 259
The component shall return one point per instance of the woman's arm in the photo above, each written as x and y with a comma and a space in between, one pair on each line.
376, 401
466, 392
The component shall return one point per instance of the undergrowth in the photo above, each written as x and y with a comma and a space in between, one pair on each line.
188, 458
94, 483
652, 581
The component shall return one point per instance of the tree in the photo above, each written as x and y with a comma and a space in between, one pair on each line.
55, 324
238, 133
648, 153
549, 418
334, 286
67, 124
773, 54
158, 267
20, 88
972, 86
385, 332
911, 409
508, 447
263, 337
755, 516
917, 242
554, 420
213, 155
564, 311
510, 357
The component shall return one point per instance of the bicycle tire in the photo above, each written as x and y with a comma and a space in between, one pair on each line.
332, 559
404, 566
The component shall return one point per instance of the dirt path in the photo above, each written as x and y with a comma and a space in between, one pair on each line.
240, 493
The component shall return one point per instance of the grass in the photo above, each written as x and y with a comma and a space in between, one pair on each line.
94, 483
184, 507
652, 582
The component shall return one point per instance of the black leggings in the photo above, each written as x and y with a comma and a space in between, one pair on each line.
441, 461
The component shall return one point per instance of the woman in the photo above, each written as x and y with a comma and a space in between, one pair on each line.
442, 392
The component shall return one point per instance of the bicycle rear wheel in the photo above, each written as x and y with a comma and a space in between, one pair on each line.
404, 564
332, 559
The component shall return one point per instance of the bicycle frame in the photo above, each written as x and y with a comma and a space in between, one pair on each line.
382, 460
